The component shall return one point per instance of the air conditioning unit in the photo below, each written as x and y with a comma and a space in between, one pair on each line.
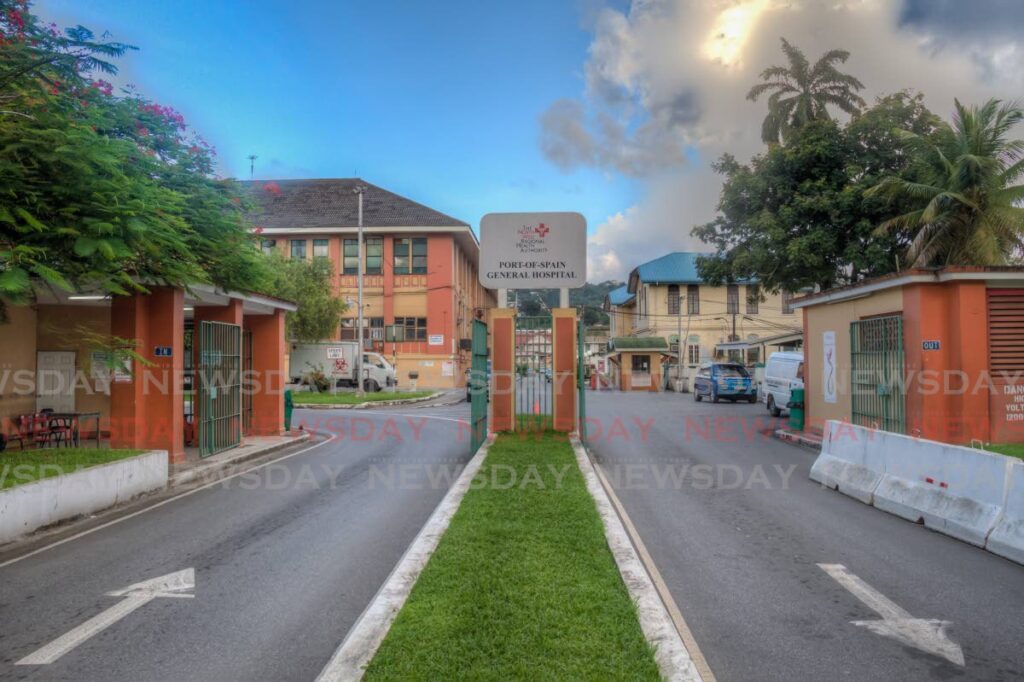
465, 344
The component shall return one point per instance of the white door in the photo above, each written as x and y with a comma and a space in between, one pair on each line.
55, 381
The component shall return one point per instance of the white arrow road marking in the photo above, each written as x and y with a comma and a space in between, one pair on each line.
174, 585
928, 635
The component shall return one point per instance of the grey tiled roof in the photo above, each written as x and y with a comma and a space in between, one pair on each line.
304, 204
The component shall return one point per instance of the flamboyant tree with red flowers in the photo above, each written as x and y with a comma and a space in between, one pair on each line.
102, 188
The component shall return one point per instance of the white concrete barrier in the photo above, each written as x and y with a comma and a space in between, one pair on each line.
850, 461
1007, 538
955, 490
30, 506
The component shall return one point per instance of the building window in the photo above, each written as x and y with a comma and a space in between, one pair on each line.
673, 299
415, 327
753, 298
374, 254
320, 248
693, 354
348, 329
732, 299
787, 302
411, 256
298, 248
753, 355
351, 257
374, 328
693, 299
268, 246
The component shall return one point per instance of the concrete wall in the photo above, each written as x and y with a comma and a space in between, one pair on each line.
17, 364
30, 506
837, 318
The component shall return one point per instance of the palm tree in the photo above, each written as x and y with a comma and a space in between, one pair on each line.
965, 202
802, 93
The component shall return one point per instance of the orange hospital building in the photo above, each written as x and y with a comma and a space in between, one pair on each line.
420, 269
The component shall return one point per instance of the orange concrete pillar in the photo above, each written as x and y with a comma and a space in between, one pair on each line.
148, 412
503, 369
267, 382
926, 311
968, 337
563, 371
129, 320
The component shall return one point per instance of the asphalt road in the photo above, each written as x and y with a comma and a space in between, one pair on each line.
286, 558
739, 541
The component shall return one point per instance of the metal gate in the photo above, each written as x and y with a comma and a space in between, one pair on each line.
479, 390
220, 399
876, 364
581, 374
533, 373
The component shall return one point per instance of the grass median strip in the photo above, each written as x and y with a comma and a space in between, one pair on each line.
24, 466
522, 585
312, 398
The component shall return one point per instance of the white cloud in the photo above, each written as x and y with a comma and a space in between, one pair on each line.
671, 74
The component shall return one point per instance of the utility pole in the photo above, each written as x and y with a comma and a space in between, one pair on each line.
252, 165
359, 189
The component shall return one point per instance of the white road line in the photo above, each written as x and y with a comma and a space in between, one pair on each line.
135, 596
169, 500
926, 634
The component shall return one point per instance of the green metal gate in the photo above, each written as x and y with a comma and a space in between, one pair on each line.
479, 390
533, 375
220, 395
581, 375
876, 364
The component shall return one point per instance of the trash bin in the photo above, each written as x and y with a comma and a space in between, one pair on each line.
288, 407
796, 409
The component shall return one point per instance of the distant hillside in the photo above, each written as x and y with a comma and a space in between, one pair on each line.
538, 302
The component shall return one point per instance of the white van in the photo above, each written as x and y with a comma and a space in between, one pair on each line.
783, 372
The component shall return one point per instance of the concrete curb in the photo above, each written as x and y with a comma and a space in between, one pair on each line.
203, 470
362, 641
368, 405
674, 660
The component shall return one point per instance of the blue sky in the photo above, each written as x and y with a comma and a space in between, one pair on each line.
437, 101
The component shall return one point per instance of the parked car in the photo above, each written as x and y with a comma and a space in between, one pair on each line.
724, 381
783, 372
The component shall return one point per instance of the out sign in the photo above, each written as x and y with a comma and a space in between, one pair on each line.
931, 345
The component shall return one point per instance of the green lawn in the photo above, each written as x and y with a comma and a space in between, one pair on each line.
522, 585
350, 398
24, 466
1011, 449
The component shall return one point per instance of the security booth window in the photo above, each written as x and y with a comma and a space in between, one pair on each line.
411, 256
641, 363
350, 262
374, 255
320, 248
298, 248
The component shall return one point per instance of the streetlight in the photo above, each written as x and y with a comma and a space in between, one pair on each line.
358, 190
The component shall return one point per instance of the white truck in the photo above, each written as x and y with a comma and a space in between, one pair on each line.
337, 359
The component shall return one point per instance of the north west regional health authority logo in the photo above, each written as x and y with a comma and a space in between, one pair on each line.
532, 238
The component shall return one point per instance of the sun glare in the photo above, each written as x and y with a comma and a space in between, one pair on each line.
730, 32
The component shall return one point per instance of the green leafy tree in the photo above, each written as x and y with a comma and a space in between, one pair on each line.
964, 205
797, 216
309, 284
802, 92
99, 190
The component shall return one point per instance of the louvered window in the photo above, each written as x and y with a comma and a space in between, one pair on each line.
1006, 330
